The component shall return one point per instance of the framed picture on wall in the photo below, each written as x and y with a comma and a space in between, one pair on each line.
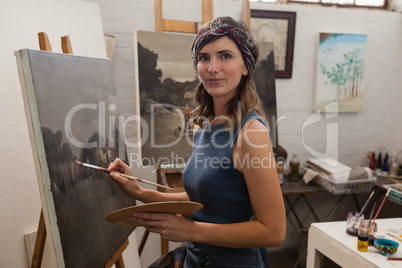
277, 27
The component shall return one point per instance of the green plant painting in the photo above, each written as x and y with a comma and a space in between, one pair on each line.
340, 72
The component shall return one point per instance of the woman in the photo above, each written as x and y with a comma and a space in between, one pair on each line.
232, 170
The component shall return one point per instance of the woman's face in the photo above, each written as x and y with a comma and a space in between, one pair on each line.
220, 68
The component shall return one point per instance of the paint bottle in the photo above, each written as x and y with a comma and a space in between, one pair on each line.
373, 162
281, 171
369, 156
362, 242
393, 171
294, 168
378, 166
385, 166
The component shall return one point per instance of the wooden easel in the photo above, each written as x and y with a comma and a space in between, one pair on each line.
245, 12
117, 258
167, 25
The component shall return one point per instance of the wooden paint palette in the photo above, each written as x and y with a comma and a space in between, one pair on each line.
122, 216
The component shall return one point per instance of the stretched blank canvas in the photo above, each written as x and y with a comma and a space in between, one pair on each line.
70, 102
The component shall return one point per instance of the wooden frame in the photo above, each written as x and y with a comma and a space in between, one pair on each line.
279, 34
167, 25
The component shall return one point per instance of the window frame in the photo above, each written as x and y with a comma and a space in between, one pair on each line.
385, 6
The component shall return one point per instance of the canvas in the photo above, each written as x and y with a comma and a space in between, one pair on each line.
274, 31
340, 72
166, 81
264, 76
70, 102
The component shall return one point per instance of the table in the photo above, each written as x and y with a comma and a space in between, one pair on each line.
300, 189
330, 239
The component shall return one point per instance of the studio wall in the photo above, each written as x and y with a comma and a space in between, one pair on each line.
376, 127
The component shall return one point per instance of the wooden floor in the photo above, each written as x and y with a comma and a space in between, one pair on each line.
286, 258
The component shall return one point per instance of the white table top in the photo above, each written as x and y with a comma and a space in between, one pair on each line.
334, 233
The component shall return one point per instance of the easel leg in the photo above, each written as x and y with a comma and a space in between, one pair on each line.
117, 257
39, 243
143, 241
164, 246
119, 263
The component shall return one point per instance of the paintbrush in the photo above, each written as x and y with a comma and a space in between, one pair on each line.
364, 207
394, 258
121, 174
378, 211
362, 210
371, 227
371, 214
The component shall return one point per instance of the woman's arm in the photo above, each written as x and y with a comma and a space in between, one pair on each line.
254, 157
131, 188
269, 227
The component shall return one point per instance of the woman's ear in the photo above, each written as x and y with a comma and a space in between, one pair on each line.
245, 72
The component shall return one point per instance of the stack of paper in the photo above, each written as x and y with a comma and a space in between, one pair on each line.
328, 166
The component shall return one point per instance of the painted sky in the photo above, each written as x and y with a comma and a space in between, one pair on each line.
334, 46
179, 68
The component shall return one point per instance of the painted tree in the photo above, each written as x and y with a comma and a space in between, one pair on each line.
346, 74
337, 76
355, 67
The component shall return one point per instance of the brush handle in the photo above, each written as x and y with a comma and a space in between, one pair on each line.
364, 207
371, 214
362, 210
123, 175
144, 181
394, 258
378, 211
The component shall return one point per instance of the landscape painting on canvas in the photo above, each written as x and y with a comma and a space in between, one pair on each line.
71, 109
166, 82
340, 72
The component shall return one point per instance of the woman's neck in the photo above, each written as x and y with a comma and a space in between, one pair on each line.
220, 114
219, 107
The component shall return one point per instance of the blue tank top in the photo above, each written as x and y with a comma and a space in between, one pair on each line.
211, 178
